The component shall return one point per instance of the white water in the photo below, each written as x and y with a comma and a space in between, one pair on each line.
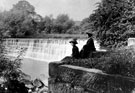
39, 52
43, 49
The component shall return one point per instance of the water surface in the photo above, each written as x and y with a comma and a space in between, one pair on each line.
39, 52
36, 69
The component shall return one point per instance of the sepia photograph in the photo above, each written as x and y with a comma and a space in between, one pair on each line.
67, 46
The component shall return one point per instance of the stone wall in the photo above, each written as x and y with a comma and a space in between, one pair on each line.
75, 79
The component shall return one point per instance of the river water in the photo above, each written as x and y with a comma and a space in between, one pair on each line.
39, 52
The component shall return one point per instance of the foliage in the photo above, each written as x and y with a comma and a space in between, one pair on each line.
117, 65
117, 62
113, 22
59, 25
18, 22
23, 21
74, 30
10, 70
86, 25
11, 75
120, 63
24, 6
48, 24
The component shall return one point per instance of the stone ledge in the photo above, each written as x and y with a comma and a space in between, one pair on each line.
91, 80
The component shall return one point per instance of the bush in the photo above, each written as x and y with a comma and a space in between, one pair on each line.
118, 62
121, 62
10, 74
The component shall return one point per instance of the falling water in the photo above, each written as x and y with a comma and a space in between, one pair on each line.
39, 52
43, 49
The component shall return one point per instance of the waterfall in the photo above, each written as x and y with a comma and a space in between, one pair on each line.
43, 49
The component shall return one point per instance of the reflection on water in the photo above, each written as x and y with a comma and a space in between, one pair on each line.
43, 49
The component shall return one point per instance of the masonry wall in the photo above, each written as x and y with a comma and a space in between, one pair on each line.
75, 79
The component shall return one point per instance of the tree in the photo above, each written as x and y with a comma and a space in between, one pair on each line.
86, 25
20, 21
74, 30
59, 25
48, 24
63, 23
23, 6
113, 22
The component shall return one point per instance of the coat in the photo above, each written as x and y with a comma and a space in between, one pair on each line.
90, 45
87, 49
75, 52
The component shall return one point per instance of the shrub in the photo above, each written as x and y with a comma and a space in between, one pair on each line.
10, 74
120, 62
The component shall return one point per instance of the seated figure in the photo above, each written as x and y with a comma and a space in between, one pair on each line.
75, 50
88, 48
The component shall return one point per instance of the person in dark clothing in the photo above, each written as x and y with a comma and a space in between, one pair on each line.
75, 50
90, 43
88, 48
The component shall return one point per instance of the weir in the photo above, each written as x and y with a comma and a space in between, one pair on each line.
43, 49
67, 78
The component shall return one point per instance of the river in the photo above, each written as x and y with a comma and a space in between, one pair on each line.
39, 52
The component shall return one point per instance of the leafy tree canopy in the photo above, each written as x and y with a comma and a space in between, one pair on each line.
22, 21
18, 22
24, 6
59, 25
113, 22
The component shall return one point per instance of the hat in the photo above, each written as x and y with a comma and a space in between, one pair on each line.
73, 41
89, 34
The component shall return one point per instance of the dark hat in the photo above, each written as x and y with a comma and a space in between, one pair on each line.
73, 41
89, 34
